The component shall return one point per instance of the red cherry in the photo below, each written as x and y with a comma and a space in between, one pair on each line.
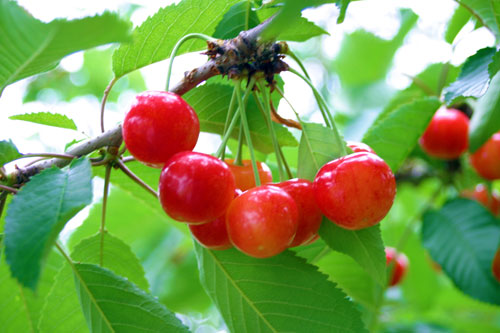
243, 174
262, 221
358, 147
310, 217
355, 191
158, 125
447, 136
399, 267
195, 187
486, 160
213, 235
495, 265
481, 195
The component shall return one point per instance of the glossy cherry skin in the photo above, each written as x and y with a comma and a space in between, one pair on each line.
495, 265
399, 266
195, 187
481, 195
243, 174
262, 222
359, 147
486, 160
447, 135
213, 235
355, 191
310, 217
158, 125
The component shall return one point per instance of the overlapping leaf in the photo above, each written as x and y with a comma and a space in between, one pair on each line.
463, 237
47, 118
29, 46
239, 17
278, 294
459, 19
486, 11
155, 39
474, 77
8, 152
394, 136
39, 212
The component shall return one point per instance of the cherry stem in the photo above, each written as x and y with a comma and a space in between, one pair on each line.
104, 99
321, 100
135, 178
422, 85
107, 177
176, 48
226, 136
267, 115
8, 189
232, 104
128, 159
238, 159
246, 128
299, 62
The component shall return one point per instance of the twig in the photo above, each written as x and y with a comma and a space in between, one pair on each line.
8, 189
136, 179
104, 99
103, 212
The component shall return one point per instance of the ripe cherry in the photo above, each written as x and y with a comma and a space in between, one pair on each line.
358, 147
447, 136
262, 221
158, 125
398, 267
310, 217
195, 187
495, 265
486, 160
213, 235
355, 191
243, 174
481, 195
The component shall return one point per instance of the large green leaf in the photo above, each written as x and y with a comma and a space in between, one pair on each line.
47, 118
155, 39
486, 118
8, 152
29, 46
278, 294
486, 11
239, 17
463, 237
352, 64
62, 312
39, 212
318, 145
211, 102
111, 303
474, 77
365, 246
21, 307
395, 136
459, 19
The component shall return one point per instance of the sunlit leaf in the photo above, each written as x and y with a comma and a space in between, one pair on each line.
39, 212
462, 237
459, 19
47, 118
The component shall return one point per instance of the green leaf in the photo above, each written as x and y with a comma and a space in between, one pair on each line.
29, 46
365, 246
39, 212
62, 311
318, 145
494, 66
155, 39
278, 294
112, 303
239, 17
342, 5
47, 118
459, 19
352, 65
211, 101
21, 307
114, 255
486, 11
395, 136
485, 120
463, 237
474, 77
8, 152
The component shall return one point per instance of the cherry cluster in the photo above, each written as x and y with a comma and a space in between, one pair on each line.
220, 201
